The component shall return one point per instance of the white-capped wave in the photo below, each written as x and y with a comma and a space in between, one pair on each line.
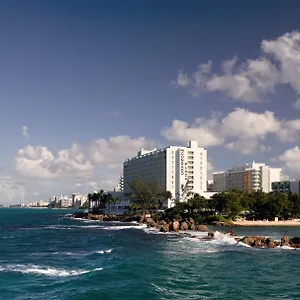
142, 226
46, 271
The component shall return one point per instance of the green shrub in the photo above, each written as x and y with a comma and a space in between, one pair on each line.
212, 219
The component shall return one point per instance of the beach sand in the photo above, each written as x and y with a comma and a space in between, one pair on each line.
267, 223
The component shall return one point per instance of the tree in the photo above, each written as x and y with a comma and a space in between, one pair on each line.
146, 194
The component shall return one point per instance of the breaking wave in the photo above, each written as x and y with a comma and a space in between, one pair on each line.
46, 271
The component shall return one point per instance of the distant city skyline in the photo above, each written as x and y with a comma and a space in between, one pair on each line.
86, 84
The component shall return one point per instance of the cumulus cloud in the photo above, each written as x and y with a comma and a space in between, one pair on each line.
11, 191
25, 132
112, 152
291, 160
40, 162
296, 104
250, 80
241, 130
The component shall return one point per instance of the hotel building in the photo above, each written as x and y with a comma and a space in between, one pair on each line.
247, 177
290, 186
177, 169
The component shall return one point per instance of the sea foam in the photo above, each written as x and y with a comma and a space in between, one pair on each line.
44, 270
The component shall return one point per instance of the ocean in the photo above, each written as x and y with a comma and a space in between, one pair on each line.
46, 255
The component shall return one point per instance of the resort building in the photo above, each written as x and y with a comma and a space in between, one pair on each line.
78, 200
247, 177
177, 169
120, 186
290, 186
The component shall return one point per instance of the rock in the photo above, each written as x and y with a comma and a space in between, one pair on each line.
174, 226
192, 226
202, 228
231, 233
184, 226
162, 222
150, 222
80, 215
285, 241
165, 228
191, 220
211, 234
295, 242
259, 242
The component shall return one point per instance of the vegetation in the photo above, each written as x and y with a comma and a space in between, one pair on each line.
225, 206
147, 195
99, 200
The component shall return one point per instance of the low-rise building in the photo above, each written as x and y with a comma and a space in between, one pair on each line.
289, 186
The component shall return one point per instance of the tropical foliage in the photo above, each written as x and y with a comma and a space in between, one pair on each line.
256, 205
146, 195
98, 200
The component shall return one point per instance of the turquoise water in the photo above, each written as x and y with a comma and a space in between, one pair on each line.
46, 255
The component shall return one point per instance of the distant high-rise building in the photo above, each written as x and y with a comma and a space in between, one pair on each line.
247, 177
177, 169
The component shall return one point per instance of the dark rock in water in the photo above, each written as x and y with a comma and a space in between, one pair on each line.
165, 228
259, 242
192, 226
174, 226
191, 220
184, 226
285, 241
295, 242
150, 222
81, 215
202, 228
231, 233
211, 234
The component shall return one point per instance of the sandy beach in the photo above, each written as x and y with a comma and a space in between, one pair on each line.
268, 223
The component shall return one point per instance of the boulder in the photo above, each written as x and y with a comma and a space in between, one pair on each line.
202, 228
184, 226
191, 220
192, 226
174, 226
211, 234
295, 242
165, 228
150, 222
231, 233
285, 241
162, 222
259, 242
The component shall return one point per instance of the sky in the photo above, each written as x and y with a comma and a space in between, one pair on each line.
85, 84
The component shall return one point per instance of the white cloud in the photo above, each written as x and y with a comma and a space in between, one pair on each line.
291, 160
296, 104
25, 132
202, 130
241, 130
10, 191
249, 81
112, 152
39, 162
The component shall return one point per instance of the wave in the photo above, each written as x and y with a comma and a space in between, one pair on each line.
46, 271
125, 227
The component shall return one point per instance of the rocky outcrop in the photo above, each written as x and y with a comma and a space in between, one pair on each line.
259, 242
231, 233
184, 226
202, 228
174, 226
285, 241
266, 242
165, 228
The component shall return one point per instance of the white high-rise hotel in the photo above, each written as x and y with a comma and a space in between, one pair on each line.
173, 168
247, 177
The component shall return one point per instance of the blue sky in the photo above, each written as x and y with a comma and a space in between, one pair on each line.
85, 84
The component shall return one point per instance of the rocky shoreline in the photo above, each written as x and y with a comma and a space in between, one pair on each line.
189, 224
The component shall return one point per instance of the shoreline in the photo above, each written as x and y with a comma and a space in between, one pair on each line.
266, 223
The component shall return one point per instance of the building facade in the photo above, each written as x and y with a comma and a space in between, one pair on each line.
290, 186
177, 169
247, 177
